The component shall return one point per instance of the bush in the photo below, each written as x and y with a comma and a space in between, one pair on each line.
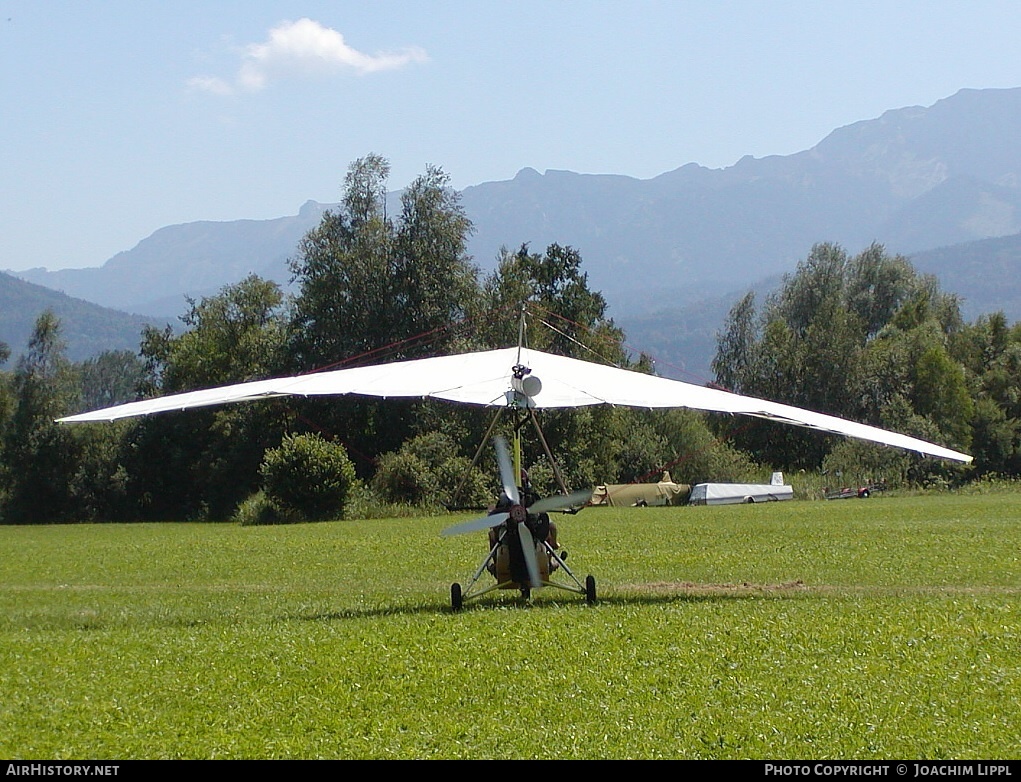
257, 510
859, 463
403, 477
307, 478
364, 503
427, 471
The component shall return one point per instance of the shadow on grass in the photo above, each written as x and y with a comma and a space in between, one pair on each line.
643, 595
88, 619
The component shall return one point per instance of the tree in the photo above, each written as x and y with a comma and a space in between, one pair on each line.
563, 315
435, 285
203, 464
39, 456
991, 352
367, 283
372, 288
556, 291
344, 273
234, 336
6, 392
735, 350
877, 286
864, 338
111, 378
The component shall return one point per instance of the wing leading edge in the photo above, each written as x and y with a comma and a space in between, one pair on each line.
485, 378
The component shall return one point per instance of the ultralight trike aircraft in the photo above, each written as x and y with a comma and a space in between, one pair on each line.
522, 554
509, 379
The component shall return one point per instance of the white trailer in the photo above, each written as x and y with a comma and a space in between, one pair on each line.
736, 493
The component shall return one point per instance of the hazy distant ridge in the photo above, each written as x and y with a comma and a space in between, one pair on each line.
87, 328
192, 259
915, 179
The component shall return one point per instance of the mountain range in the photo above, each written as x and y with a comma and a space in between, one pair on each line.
87, 329
941, 184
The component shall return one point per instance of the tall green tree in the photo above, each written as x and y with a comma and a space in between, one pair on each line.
864, 338
344, 273
374, 287
39, 456
563, 314
234, 336
6, 401
369, 283
990, 349
111, 378
735, 350
435, 281
202, 464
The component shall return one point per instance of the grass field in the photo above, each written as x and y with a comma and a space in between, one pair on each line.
879, 628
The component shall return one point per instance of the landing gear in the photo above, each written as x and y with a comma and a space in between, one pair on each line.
455, 597
521, 552
590, 589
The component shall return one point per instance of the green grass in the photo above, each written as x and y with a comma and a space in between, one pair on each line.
880, 628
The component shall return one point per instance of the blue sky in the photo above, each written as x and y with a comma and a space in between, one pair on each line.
119, 118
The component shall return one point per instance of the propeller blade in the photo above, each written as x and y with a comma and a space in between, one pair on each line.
503, 458
528, 549
561, 501
486, 522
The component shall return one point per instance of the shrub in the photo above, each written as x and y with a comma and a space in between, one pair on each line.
258, 510
403, 477
307, 477
475, 487
854, 462
426, 471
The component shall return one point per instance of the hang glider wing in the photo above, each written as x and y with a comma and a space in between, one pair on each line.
487, 379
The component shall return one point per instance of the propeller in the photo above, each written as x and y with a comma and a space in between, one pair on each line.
528, 550
503, 458
517, 512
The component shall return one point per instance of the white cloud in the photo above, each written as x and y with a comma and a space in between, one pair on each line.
301, 49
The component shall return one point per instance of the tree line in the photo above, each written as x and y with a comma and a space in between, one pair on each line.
862, 337
367, 287
868, 338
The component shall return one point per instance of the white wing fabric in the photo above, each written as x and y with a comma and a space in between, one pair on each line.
485, 378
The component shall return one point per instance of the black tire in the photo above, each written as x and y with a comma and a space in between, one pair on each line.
865, 493
455, 597
590, 589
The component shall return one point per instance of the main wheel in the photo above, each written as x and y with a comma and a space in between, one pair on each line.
590, 589
455, 596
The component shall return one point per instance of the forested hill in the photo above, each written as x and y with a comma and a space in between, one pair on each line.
87, 328
986, 274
